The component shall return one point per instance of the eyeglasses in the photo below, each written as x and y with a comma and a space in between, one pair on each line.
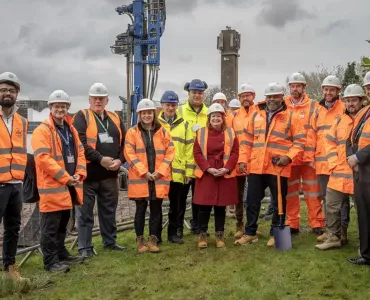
11, 91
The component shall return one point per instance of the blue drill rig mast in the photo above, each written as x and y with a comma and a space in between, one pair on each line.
140, 44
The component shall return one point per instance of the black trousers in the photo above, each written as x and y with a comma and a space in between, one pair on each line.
194, 207
174, 218
155, 222
256, 192
205, 214
362, 198
106, 193
53, 234
10, 211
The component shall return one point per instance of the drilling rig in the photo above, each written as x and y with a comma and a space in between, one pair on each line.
140, 44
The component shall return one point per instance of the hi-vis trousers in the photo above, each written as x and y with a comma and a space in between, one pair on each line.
312, 196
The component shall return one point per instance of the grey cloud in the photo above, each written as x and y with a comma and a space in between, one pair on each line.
279, 13
334, 25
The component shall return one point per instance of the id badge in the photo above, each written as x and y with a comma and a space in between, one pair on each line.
105, 138
195, 127
70, 159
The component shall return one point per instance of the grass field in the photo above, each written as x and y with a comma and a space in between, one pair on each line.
184, 272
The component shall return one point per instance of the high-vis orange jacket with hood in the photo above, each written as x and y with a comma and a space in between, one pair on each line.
13, 148
305, 112
320, 126
284, 136
341, 174
52, 178
135, 155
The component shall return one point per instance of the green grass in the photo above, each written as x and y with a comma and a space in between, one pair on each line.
184, 272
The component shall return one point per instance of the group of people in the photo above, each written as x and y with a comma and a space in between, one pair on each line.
321, 147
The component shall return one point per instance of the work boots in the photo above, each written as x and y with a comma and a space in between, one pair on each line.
220, 239
239, 230
246, 239
343, 236
14, 275
141, 247
202, 240
153, 244
330, 243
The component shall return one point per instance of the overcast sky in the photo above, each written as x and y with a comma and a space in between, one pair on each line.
64, 44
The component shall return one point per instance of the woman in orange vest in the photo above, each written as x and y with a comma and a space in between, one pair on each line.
216, 153
149, 151
60, 170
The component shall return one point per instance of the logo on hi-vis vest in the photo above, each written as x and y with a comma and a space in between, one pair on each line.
18, 132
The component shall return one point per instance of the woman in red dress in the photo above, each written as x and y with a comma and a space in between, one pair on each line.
216, 152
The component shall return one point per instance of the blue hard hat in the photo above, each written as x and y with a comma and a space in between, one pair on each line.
196, 84
169, 97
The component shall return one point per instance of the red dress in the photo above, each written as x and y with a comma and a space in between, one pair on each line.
210, 190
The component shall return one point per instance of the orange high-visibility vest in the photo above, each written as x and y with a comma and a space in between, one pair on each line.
13, 149
321, 124
135, 155
305, 112
364, 139
341, 177
229, 136
52, 178
285, 137
92, 129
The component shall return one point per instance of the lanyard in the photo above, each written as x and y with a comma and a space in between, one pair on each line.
101, 123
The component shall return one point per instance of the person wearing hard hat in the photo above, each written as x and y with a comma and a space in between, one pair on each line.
216, 152
273, 139
358, 157
229, 114
246, 96
13, 157
194, 111
340, 185
234, 105
183, 164
303, 172
149, 150
60, 171
330, 109
102, 134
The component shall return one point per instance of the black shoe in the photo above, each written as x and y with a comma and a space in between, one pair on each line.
294, 230
175, 239
86, 253
359, 261
115, 247
72, 260
318, 230
58, 268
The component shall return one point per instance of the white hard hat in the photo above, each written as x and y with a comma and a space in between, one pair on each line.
246, 88
215, 107
9, 76
297, 78
367, 79
219, 96
353, 90
274, 89
145, 104
98, 90
234, 103
59, 96
332, 80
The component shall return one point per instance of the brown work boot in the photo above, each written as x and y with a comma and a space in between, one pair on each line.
14, 275
152, 244
331, 242
141, 247
271, 242
220, 239
202, 240
246, 239
343, 236
239, 230
321, 238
